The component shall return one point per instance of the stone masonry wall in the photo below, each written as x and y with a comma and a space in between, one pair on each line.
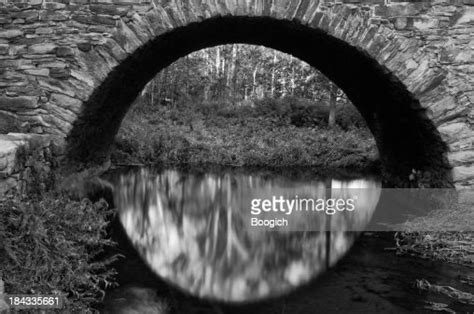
26, 161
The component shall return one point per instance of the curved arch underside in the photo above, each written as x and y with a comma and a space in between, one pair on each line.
72, 68
406, 138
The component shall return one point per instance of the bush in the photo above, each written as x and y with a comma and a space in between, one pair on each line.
52, 245
305, 113
261, 136
349, 117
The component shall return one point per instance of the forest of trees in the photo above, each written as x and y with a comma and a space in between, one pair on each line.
242, 105
239, 74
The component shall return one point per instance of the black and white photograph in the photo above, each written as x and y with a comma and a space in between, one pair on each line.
236, 156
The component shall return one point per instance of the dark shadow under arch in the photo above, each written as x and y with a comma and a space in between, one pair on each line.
405, 137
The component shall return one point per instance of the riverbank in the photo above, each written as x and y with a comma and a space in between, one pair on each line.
53, 245
273, 135
443, 235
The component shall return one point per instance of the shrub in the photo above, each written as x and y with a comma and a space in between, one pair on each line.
349, 117
273, 133
52, 245
305, 113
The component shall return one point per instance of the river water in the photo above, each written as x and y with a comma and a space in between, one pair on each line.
190, 243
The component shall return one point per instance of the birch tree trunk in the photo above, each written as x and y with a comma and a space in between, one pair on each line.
332, 105
218, 62
272, 88
254, 83
231, 72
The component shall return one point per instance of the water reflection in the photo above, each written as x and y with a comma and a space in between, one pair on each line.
193, 230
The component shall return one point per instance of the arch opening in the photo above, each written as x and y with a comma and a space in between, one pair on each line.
406, 138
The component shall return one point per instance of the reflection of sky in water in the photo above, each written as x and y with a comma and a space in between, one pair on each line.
194, 231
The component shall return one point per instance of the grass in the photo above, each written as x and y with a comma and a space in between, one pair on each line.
278, 133
444, 234
458, 218
51, 245
453, 247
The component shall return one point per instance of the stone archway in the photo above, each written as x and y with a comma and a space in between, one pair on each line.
406, 66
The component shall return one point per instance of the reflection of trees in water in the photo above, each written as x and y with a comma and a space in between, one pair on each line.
194, 231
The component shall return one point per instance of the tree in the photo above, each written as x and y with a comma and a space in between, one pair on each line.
238, 72
332, 105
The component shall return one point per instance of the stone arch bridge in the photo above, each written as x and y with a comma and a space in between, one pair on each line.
69, 69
